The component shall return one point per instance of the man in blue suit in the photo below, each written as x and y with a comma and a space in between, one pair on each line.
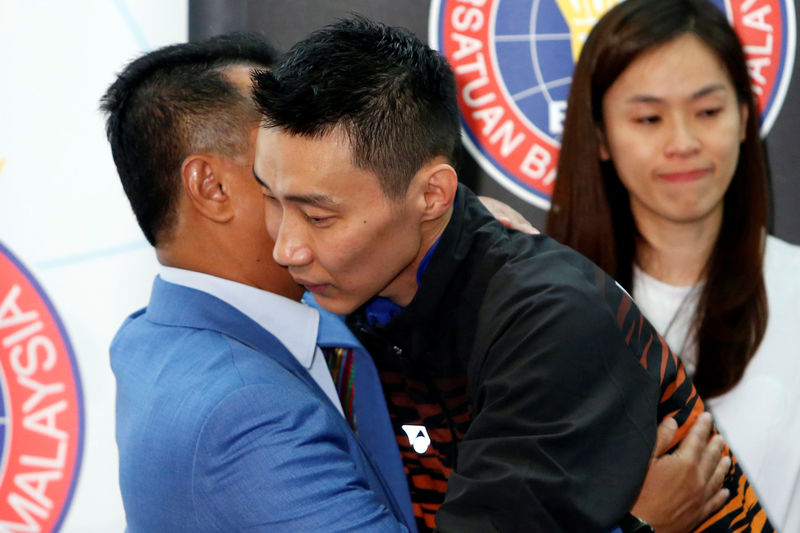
227, 416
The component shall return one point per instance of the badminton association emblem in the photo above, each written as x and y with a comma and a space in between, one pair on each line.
513, 61
41, 407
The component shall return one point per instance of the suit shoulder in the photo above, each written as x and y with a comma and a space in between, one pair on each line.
174, 376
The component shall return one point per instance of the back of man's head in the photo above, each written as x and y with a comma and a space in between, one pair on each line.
392, 96
173, 102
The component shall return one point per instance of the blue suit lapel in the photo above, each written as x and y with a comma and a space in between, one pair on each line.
177, 305
182, 306
375, 432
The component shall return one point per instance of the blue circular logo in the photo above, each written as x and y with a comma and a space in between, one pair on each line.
513, 61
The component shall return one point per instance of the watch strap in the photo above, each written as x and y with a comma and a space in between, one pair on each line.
634, 524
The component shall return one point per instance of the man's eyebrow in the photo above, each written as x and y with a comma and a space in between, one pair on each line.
315, 200
259, 180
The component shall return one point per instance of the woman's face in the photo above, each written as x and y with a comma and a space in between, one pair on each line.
673, 127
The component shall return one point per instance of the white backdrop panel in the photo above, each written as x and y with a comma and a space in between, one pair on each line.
62, 209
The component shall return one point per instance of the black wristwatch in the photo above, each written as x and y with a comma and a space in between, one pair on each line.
633, 524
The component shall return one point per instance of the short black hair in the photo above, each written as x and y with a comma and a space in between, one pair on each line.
392, 95
170, 103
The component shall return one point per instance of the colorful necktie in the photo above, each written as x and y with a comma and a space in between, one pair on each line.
340, 365
361, 395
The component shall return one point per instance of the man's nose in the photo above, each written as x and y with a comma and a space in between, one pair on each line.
291, 246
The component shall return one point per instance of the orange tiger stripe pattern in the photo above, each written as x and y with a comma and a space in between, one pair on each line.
679, 399
443, 407
447, 421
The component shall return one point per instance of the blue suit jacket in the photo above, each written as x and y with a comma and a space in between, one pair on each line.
219, 428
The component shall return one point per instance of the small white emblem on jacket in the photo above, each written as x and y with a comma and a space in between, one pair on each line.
417, 437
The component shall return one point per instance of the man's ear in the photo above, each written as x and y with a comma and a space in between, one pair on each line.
439, 186
206, 187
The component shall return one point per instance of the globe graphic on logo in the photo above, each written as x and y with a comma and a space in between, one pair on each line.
534, 57
536, 45
514, 59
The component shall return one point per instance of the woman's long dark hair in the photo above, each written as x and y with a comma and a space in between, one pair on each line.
591, 208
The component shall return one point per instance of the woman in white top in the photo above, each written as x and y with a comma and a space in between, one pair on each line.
662, 182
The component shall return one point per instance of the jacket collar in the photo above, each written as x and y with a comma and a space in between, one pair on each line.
176, 305
446, 267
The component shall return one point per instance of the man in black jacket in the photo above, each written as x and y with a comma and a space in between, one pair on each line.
523, 384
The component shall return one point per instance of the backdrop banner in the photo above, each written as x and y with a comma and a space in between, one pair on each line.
513, 61
73, 263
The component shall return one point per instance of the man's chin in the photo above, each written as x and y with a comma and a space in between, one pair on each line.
337, 306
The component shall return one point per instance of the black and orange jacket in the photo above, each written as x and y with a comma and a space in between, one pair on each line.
539, 384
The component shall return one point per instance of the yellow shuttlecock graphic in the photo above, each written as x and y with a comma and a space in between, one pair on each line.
581, 16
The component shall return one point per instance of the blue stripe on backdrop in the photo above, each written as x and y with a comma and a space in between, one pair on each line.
134, 26
92, 255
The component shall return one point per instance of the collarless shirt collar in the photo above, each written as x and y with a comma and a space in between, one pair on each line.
294, 324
